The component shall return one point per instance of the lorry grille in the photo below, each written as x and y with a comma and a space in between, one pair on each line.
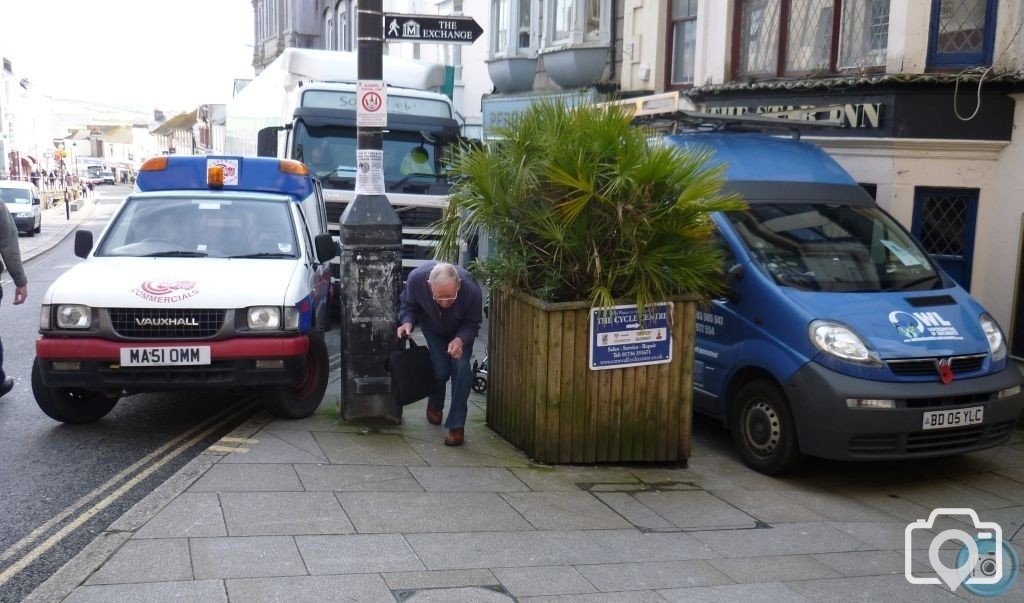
925, 442
411, 217
166, 323
918, 367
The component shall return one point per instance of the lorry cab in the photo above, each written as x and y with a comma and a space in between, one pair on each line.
213, 273
838, 336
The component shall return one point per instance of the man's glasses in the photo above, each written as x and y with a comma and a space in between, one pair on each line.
447, 299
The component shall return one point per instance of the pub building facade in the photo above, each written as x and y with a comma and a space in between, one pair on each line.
918, 99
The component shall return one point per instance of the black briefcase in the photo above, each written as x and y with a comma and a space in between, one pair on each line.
412, 373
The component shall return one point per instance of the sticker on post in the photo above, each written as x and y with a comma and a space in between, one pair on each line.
369, 172
371, 104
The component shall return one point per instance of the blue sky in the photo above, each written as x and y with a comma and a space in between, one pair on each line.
130, 52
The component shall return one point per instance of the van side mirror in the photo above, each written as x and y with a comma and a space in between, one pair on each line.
326, 248
736, 272
35, 200
266, 141
733, 275
83, 243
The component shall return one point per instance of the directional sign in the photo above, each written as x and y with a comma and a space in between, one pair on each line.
430, 28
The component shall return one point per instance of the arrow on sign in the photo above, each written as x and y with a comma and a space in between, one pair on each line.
428, 28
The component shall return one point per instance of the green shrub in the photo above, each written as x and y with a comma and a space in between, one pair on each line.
581, 204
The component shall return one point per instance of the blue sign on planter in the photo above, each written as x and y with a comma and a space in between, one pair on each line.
618, 338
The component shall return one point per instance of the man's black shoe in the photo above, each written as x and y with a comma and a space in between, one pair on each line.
6, 386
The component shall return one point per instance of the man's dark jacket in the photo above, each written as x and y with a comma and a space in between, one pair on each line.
461, 320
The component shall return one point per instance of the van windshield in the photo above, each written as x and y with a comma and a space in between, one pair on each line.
183, 227
820, 247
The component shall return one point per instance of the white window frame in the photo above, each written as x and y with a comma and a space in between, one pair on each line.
509, 46
577, 26
340, 28
328, 29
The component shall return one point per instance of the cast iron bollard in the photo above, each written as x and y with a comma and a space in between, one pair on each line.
371, 264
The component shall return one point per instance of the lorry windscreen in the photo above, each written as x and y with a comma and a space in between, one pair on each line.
330, 153
822, 247
182, 227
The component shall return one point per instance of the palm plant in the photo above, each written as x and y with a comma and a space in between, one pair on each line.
582, 204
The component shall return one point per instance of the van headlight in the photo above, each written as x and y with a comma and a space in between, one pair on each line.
24, 214
263, 318
839, 340
996, 341
73, 316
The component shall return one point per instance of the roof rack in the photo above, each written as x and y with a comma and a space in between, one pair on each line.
672, 113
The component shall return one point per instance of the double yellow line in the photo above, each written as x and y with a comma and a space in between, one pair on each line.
134, 474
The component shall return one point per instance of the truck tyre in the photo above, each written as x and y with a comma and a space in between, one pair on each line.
302, 399
69, 405
763, 429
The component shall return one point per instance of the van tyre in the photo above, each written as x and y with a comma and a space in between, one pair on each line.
69, 405
301, 399
763, 429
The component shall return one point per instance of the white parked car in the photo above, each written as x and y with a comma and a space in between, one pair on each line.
22, 200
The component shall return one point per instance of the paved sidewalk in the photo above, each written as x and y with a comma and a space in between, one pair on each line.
318, 510
55, 226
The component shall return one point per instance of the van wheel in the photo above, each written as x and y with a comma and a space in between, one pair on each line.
40, 227
763, 429
69, 405
302, 399
31, 232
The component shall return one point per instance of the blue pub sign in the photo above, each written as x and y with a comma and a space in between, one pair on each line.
619, 339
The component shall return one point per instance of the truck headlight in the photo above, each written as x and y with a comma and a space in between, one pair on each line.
74, 316
24, 214
836, 339
264, 318
996, 342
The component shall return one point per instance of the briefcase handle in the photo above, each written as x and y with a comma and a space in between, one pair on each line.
412, 344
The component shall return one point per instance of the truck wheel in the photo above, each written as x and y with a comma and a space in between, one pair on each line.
763, 429
302, 399
69, 405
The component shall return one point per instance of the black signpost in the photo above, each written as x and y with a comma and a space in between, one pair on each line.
430, 28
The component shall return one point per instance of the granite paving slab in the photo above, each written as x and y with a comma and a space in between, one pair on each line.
273, 448
866, 563
409, 512
836, 507
165, 560
465, 594
652, 575
767, 506
548, 580
995, 484
695, 509
357, 478
369, 449
468, 479
364, 588
731, 593
245, 557
935, 494
283, 514
483, 450
565, 511
635, 596
883, 589
201, 591
633, 511
188, 515
506, 549
357, 554
244, 477
784, 539
439, 579
782, 568
633, 546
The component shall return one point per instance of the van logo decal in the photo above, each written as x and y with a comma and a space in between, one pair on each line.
165, 292
166, 322
923, 326
945, 371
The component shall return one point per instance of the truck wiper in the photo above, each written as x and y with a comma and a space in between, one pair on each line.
261, 254
176, 254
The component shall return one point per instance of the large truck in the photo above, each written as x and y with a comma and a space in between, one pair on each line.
303, 106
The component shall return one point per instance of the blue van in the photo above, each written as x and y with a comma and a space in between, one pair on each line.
839, 337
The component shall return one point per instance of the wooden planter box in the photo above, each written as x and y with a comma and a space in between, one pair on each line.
542, 396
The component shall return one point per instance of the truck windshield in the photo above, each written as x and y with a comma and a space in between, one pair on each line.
410, 163
183, 227
821, 247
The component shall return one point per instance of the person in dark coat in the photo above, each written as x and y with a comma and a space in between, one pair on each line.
447, 304
10, 253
